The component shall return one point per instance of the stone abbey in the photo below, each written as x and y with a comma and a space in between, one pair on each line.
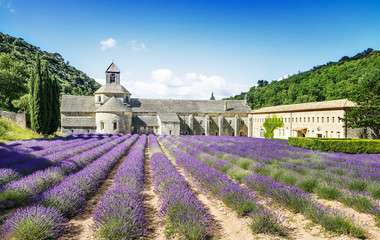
113, 110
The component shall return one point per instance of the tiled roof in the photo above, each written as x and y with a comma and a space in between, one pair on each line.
168, 117
78, 121
334, 104
113, 105
112, 88
144, 121
72, 103
188, 106
113, 68
87, 104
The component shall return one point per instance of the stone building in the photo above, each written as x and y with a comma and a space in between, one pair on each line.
112, 110
316, 119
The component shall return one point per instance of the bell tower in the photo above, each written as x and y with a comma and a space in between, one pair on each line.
112, 74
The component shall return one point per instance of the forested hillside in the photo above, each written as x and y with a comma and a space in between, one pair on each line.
17, 58
334, 80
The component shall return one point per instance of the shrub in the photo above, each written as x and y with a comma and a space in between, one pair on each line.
346, 145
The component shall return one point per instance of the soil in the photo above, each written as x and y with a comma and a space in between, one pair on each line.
79, 228
155, 227
226, 223
367, 221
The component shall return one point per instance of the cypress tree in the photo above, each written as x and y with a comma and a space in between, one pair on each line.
46, 98
35, 97
55, 106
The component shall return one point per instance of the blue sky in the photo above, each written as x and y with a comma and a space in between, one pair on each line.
187, 49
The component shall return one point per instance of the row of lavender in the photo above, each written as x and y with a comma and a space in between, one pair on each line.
181, 211
288, 196
26, 188
235, 196
302, 171
52, 208
16, 165
120, 212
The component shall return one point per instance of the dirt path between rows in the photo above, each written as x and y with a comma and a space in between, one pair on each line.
155, 228
366, 220
227, 225
79, 226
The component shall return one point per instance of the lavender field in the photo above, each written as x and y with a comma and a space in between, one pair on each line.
114, 186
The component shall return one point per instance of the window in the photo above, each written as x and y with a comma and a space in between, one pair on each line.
313, 119
322, 119
333, 119
300, 119
296, 119
186, 133
283, 132
233, 133
170, 132
327, 134
216, 133
230, 121
304, 119
99, 98
332, 134
317, 119
308, 119
112, 78
201, 121
338, 134
101, 125
242, 122
114, 125
327, 120
210, 122
292, 119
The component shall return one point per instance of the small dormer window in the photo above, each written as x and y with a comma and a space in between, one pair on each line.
112, 78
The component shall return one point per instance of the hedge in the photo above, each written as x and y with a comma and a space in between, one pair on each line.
345, 145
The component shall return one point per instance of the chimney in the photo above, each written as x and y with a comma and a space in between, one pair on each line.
225, 105
245, 100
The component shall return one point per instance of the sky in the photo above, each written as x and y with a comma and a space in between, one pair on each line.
186, 49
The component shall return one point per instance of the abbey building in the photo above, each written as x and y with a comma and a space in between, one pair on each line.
113, 110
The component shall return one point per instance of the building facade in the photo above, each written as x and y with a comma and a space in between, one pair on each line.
317, 119
112, 110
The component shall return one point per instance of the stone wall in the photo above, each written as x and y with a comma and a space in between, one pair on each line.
18, 118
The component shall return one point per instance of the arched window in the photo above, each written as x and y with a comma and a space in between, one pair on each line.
101, 125
216, 133
112, 78
233, 133
114, 125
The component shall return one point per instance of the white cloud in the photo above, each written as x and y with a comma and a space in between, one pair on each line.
7, 4
136, 45
106, 44
285, 77
165, 84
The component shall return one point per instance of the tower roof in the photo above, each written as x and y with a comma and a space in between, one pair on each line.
113, 105
112, 88
113, 68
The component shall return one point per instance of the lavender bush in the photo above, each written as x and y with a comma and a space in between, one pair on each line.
182, 212
120, 212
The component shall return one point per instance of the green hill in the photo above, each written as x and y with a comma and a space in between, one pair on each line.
334, 80
10, 131
17, 58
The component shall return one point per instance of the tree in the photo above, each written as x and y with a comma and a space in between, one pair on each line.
212, 96
13, 81
271, 124
44, 100
55, 119
262, 83
37, 98
22, 104
367, 97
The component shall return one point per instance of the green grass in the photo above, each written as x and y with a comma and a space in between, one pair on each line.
10, 131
